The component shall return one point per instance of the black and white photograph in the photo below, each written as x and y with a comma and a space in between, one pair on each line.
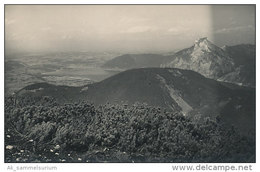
129, 83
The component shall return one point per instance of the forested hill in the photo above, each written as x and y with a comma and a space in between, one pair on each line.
177, 90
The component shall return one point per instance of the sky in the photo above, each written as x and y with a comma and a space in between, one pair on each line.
124, 28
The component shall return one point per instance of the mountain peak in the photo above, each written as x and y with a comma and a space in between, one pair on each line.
204, 44
204, 39
205, 58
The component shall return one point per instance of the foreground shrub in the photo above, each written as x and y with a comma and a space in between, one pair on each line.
46, 131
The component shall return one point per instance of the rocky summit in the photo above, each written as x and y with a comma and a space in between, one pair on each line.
203, 57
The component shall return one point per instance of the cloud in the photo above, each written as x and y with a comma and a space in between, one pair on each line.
139, 29
131, 20
232, 21
232, 29
66, 37
176, 30
9, 21
46, 28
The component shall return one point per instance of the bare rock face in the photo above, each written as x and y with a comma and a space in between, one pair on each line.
205, 58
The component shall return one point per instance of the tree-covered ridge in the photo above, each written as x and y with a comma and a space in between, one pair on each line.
42, 130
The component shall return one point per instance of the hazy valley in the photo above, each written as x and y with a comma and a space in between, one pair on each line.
67, 68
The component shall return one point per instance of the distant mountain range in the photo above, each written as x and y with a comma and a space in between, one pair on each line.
234, 64
178, 90
130, 61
